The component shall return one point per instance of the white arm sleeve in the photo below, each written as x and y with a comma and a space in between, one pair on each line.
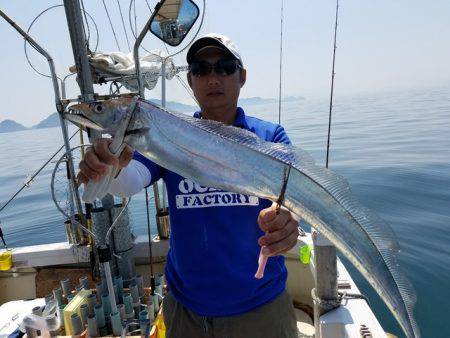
132, 179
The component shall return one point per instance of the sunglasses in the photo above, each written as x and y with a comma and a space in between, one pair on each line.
222, 67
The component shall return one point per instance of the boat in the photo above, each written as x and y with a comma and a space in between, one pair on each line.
38, 269
59, 283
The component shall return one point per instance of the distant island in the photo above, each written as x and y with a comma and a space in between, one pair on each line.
177, 106
9, 126
52, 121
260, 100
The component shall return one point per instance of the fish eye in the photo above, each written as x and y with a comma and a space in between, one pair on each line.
98, 108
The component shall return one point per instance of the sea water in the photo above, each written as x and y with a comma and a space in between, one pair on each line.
393, 148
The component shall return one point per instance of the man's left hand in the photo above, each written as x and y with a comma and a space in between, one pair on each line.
281, 231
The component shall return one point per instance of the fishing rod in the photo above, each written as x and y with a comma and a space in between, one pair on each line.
30, 179
152, 275
332, 83
281, 63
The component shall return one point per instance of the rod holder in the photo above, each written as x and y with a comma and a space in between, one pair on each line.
91, 301
100, 316
92, 326
65, 285
57, 294
84, 282
84, 312
116, 324
77, 325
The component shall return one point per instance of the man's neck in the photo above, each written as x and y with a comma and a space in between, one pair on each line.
227, 116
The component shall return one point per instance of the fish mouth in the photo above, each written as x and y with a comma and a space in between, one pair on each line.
78, 118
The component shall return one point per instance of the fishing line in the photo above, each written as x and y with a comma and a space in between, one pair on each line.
123, 25
112, 27
87, 26
26, 183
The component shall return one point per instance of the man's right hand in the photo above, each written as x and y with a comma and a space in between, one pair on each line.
97, 158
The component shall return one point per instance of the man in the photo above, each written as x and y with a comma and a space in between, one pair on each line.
215, 239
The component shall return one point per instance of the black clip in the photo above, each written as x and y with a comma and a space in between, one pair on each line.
287, 171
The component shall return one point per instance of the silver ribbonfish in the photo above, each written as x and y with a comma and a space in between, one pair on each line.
225, 157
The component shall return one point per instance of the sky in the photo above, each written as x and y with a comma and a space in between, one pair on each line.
383, 46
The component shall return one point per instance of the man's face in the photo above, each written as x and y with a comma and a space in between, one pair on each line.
214, 91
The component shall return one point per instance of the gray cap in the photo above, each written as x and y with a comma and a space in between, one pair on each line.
213, 40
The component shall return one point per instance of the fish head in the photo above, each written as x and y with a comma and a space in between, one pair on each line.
105, 116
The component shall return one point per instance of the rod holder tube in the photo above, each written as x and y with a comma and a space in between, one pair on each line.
116, 324
134, 292
140, 285
65, 285
159, 289
91, 301
121, 310
151, 310
70, 297
105, 257
61, 314
77, 325
143, 321
118, 282
99, 290
128, 302
155, 299
84, 282
57, 294
84, 312
99, 316
106, 304
92, 326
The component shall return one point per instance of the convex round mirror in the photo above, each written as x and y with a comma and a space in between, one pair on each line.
173, 20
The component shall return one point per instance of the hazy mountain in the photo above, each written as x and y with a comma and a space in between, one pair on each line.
8, 126
179, 107
49, 122
255, 100
261, 100
293, 98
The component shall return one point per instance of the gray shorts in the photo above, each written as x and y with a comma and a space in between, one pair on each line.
275, 319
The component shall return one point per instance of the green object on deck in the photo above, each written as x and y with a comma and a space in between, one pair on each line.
305, 254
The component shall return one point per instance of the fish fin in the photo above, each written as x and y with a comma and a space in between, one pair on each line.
378, 231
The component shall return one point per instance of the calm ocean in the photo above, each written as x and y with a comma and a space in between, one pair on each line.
393, 148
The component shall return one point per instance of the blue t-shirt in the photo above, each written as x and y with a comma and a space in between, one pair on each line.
214, 246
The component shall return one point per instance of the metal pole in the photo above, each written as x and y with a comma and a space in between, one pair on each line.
159, 210
163, 83
59, 106
80, 55
137, 43
163, 104
78, 40
326, 288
